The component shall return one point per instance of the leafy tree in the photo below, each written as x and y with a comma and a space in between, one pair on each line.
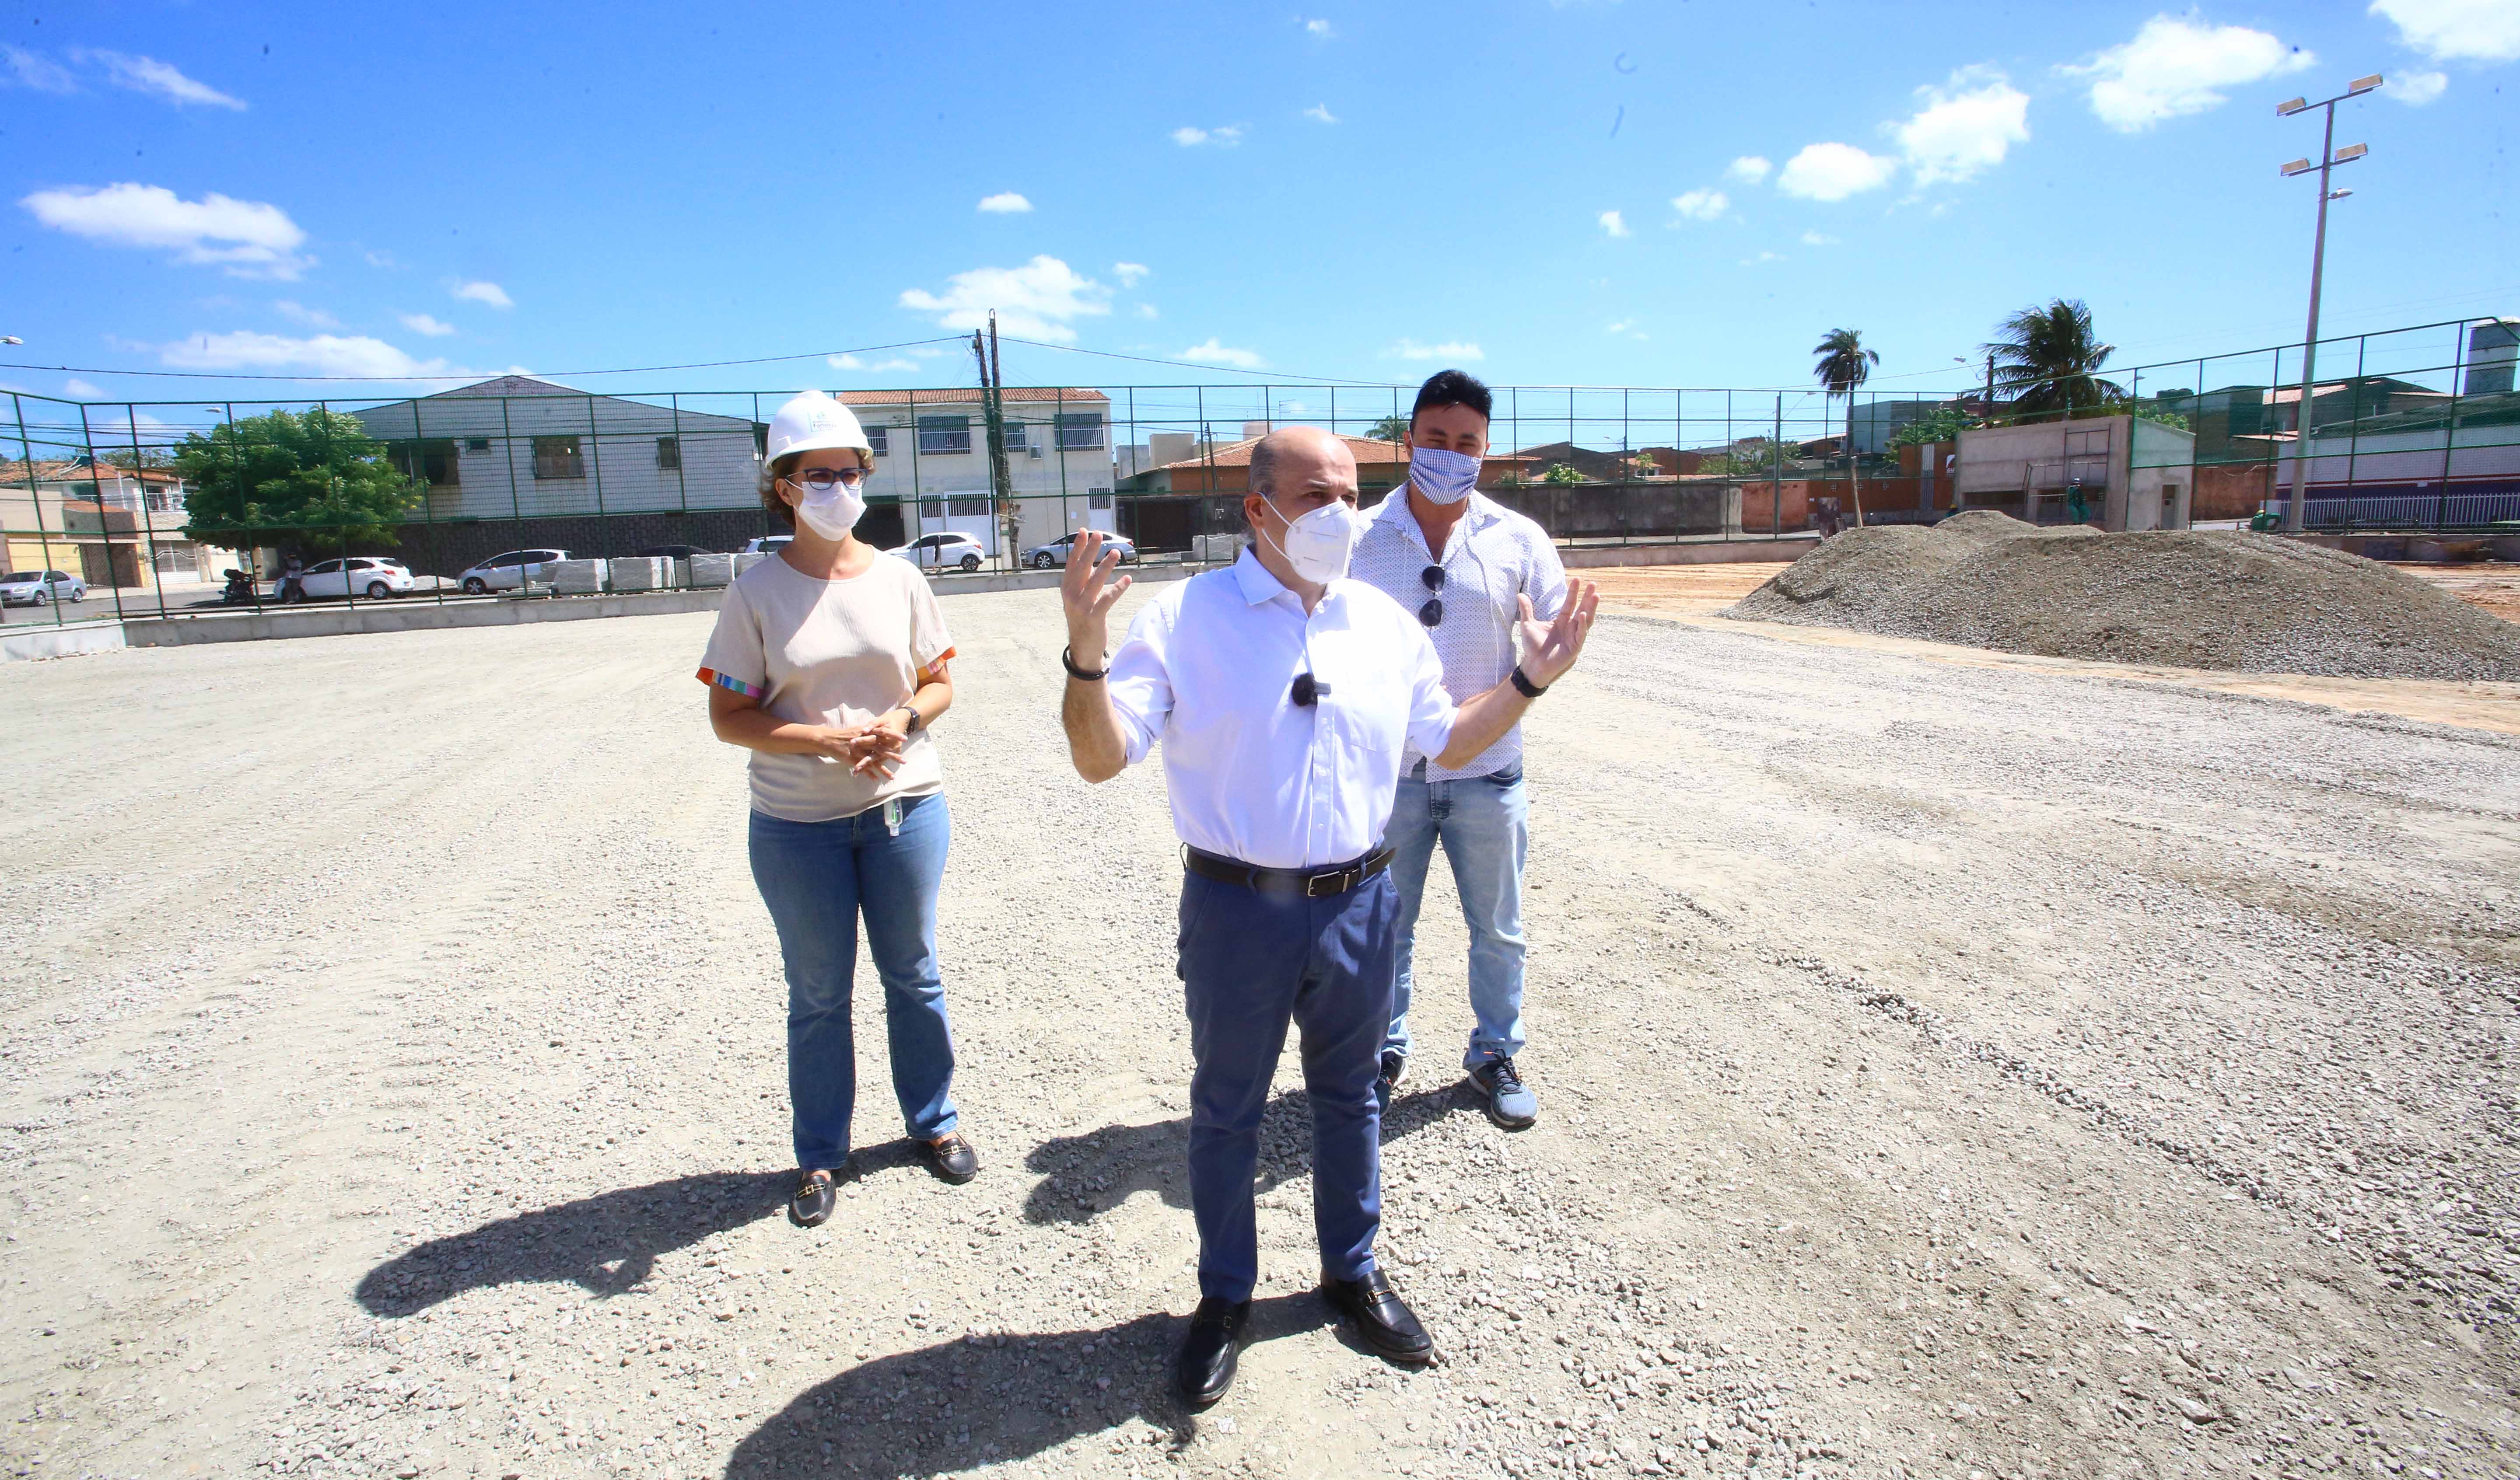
1645, 465
1843, 364
2145, 410
1391, 428
1942, 423
1560, 472
315, 482
2048, 360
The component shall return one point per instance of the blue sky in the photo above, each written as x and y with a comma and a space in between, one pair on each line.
1607, 193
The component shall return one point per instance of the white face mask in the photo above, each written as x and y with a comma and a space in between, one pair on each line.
831, 514
1444, 477
1319, 543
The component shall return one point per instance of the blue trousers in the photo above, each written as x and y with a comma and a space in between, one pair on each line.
1483, 823
817, 878
1252, 962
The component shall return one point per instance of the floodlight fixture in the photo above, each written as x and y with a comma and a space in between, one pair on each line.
2290, 107
2338, 194
10, 339
2351, 153
2330, 157
2360, 85
2298, 167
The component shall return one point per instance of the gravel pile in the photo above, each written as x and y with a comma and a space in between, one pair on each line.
2198, 600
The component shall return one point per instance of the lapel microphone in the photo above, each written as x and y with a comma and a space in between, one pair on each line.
1308, 690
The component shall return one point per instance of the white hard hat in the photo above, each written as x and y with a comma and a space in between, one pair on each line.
814, 422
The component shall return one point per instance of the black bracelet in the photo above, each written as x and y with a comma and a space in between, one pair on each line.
1525, 686
1067, 661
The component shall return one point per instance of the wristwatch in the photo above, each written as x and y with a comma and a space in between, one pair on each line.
1524, 686
915, 719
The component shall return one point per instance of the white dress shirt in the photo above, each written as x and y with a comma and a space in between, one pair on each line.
1494, 554
1209, 667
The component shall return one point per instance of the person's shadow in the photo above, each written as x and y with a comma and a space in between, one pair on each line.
1098, 1170
987, 1400
606, 1243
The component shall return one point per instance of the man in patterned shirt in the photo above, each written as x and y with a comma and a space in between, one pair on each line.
1468, 569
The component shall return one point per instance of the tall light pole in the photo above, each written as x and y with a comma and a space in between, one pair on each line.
2330, 157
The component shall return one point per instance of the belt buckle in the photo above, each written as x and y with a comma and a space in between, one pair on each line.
1312, 886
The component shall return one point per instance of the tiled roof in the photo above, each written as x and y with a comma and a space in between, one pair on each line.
64, 469
969, 395
1238, 454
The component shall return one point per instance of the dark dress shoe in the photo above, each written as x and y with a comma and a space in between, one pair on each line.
1382, 1321
951, 1157
1206, 1366
811, 1202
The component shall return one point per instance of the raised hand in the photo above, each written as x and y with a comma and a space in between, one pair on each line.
1549, 648
1088, 592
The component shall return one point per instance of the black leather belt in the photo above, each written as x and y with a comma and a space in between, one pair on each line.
1308, 883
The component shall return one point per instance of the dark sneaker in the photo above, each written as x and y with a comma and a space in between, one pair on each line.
951, 1157
1395, 1069
1510, 1103
811, 1202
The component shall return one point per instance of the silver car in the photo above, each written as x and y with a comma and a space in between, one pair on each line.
510, 572
35, 588
1054, 554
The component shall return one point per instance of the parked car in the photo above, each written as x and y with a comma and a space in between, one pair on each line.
671, 552
768, 544
941, 552
374, 577
510, 572
34, 588
1045, 557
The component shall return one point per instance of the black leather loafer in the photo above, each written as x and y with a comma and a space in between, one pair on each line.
1206, 1367
1382, 1321
951, 1157
811, 1202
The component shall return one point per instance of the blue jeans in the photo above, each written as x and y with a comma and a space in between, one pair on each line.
817, 878
1483, 823
1251, 963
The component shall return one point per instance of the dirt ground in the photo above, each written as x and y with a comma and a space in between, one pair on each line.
1947, 1069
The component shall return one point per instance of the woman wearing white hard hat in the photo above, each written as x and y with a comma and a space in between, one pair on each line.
829, 665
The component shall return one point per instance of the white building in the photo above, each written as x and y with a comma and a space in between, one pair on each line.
932, 463
2129, 473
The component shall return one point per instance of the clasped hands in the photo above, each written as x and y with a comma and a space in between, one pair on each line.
872, 750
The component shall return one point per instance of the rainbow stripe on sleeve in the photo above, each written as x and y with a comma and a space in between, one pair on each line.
719, 680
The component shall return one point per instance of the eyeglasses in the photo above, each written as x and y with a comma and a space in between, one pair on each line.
824, 480
1432, 613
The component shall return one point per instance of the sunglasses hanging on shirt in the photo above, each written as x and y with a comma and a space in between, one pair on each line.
1432, 613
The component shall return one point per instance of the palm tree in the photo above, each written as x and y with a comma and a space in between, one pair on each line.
2046, 359
1842, 365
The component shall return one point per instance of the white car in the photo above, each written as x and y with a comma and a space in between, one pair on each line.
511, 570
768, 544
35, 588
943, 552
374, 577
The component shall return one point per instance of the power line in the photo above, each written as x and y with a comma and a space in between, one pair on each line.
474, 374
1265, 374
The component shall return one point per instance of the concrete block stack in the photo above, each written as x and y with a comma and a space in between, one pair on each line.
648, 573
578, 578
712, 569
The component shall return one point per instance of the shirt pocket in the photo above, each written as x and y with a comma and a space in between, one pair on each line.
1368, 715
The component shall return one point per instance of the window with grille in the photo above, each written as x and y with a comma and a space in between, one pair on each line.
669, 453
1014, 435
1080, 431
559, 458
941, 436
876, 439
966, 507
1099, 498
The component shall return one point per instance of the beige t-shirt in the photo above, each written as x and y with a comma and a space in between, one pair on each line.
830, 653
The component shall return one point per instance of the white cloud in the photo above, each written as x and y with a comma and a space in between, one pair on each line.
1454, 349
852, 362
1764, 256
421, 323
322, 354
1225, 136
159, 80
1147, 311
1005, 203
1964, 127
1214, 353
36, 70
1626, 327
1701, 204
482, 291
298, 313
1320, 30
1815, 238
1833, 172
2416, 89
83, 390
1613, 223
2177, 66
1319, 112
381, 259
2455, 30
1130, 272
1036, 300
1749, 169
250, 239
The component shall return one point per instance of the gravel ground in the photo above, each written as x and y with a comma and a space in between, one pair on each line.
2253, 603
1945, 1071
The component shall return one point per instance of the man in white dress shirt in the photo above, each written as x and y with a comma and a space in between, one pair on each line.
1285, 696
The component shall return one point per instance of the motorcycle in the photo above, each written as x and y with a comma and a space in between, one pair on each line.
240, 590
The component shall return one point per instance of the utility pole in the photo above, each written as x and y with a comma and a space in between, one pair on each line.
2330, 157
993, 416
